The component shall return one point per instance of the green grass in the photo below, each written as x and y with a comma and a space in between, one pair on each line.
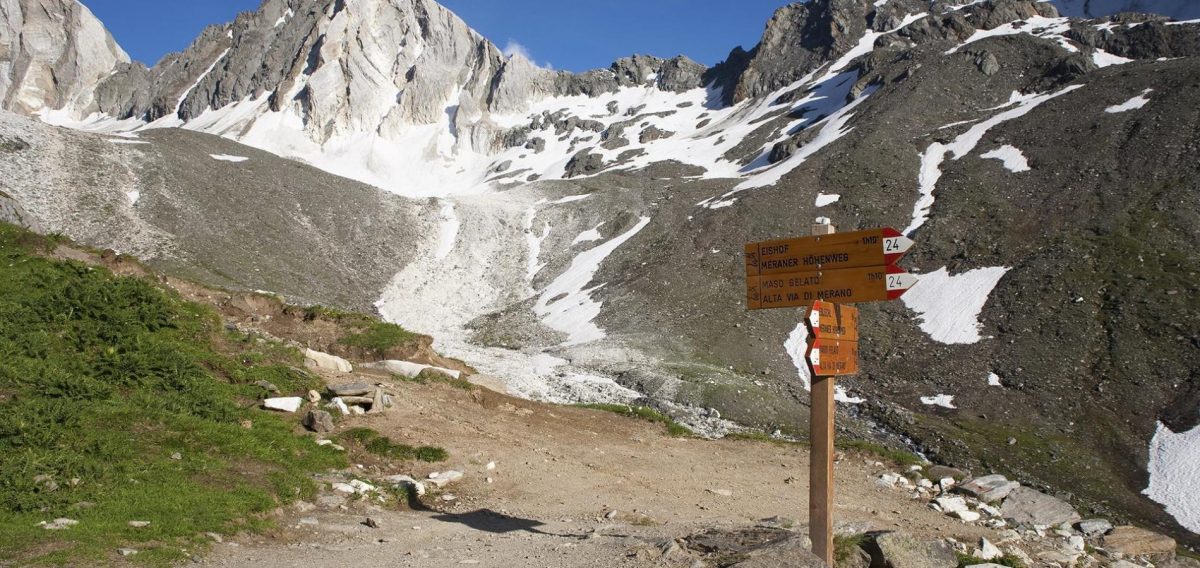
844, 547
379, 337
369, 333
431, 376
1009, 560
899, 457
382, 446
102, 379
674, 428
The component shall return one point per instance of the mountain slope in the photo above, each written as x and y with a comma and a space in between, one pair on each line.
585, 240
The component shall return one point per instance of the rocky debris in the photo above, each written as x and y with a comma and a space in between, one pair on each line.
585, 162
1092, 528
354, 487
989, 488
318, 421
651, 133
444, 478
1134, 541
327, 362
284, 404
1026, 506
901, 550
58, 524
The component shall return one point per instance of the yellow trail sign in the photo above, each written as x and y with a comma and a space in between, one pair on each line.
876, 247
845, 286
827, 320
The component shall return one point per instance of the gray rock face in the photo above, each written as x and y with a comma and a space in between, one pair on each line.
1025, 506
900, 550
584, 163
53, 54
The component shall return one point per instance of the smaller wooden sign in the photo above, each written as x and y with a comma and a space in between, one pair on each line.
832, 357
827, 320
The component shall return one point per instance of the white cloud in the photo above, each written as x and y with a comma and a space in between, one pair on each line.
513, 48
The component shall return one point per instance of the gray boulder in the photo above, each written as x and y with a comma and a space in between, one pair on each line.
318, 421
1094, 527
584, 163
900, 550
1025, 506
791, 552
989, 488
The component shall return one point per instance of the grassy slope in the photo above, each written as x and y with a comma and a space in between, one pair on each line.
102, 379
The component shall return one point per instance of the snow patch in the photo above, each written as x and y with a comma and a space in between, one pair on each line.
588, 236
824, 199
942, 400
228, 158
284, 18
949, 306
1175, 474
565, 305
1105, 59
1131, 104
1038, 26
127, 141
936, 153
1012, 157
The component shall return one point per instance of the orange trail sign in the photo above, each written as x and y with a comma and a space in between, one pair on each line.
876, 247
827, 320
844, 286
832, 357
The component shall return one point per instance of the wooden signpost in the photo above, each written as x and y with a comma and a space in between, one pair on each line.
827, 271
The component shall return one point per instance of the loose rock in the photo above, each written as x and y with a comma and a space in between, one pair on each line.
287, 404
900, 550
1092, 528
1030, 507
327, 362
989, 488
318, 421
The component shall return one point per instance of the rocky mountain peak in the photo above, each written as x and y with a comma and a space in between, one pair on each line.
53, 54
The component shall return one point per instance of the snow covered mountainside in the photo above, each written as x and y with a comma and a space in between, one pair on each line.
579, 235
1177, 9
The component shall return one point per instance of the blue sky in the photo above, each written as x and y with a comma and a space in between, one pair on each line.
567, 34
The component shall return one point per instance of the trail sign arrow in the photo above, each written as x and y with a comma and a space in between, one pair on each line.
875, 247
844, 286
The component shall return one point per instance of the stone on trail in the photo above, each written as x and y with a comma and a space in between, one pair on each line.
1092, 528
987, 550
351, 389
1133, 541
318, 421
989, 488
968, 516
951, 505
327, 362
1026, 506
285, 404
406, 481
900, 550
442, 479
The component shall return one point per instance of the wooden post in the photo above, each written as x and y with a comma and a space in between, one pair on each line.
820, 433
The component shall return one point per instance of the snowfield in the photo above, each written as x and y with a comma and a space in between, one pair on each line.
1175, 474
949, 305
